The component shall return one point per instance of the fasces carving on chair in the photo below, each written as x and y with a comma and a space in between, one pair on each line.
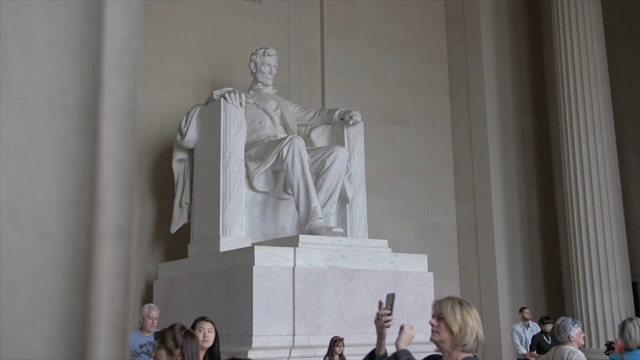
312, 158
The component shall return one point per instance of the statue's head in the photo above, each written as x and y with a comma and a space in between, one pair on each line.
263, 64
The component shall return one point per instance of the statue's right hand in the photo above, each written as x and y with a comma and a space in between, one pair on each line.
235, 98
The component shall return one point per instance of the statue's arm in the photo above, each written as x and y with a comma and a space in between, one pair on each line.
315, 117
187, 135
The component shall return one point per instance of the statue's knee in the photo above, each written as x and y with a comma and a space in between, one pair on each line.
296, 141
340, 153
294, 146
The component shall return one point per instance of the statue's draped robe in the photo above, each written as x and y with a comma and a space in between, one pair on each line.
271, 121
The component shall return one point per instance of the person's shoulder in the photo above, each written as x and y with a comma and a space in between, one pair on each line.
433, 357
575, 354
632, 355
403, 354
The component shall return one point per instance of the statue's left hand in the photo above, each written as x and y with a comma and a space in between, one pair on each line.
351, 117
235, 98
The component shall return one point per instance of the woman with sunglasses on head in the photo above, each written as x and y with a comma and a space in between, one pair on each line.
336, 349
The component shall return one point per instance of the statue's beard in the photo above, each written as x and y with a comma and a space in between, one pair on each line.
264, 79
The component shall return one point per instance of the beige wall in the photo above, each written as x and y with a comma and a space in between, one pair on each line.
388, 59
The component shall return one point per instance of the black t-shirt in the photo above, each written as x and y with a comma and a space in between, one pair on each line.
439, 357
542, 342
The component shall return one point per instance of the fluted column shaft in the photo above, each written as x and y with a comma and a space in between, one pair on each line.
600, 273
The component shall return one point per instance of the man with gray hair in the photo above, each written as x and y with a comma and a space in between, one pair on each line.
142, 342
571, 337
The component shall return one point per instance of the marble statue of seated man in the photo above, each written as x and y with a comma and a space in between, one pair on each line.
278, 161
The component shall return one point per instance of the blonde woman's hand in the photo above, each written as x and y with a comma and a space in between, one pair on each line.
405, 336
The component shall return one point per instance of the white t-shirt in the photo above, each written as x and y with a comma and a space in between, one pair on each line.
564, 352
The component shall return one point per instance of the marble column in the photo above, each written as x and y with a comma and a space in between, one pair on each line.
597, 243
113, 236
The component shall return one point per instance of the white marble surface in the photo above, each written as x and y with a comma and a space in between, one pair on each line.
282, 302
302, 251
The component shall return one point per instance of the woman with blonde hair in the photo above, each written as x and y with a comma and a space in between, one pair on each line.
456, 330
628, 342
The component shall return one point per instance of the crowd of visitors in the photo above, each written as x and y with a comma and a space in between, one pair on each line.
456, 331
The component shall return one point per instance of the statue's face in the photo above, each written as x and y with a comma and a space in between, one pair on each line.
267, 70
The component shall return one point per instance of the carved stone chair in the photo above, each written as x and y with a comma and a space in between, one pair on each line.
227, 213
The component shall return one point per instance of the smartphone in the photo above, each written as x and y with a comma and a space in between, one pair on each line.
391, 298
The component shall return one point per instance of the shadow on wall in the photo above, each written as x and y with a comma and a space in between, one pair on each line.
174, 246
549, 232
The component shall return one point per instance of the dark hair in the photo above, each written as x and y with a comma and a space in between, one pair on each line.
523, 309
177, 337
335, 341
213, 352
544, 320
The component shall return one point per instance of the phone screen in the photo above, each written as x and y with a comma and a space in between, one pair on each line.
391, 298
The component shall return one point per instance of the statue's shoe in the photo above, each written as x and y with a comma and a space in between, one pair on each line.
320, 228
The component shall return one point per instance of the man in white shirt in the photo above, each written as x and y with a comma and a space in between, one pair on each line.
522, 333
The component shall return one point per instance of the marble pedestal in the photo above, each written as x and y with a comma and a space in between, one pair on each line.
285, 298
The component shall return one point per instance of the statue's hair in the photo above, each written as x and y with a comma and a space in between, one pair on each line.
257, 55
565, 328
145, 309
629, 333
464, 321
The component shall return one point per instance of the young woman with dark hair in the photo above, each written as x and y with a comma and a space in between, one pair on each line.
336, 349
207, 334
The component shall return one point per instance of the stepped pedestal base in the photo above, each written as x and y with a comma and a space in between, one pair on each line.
285, 298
